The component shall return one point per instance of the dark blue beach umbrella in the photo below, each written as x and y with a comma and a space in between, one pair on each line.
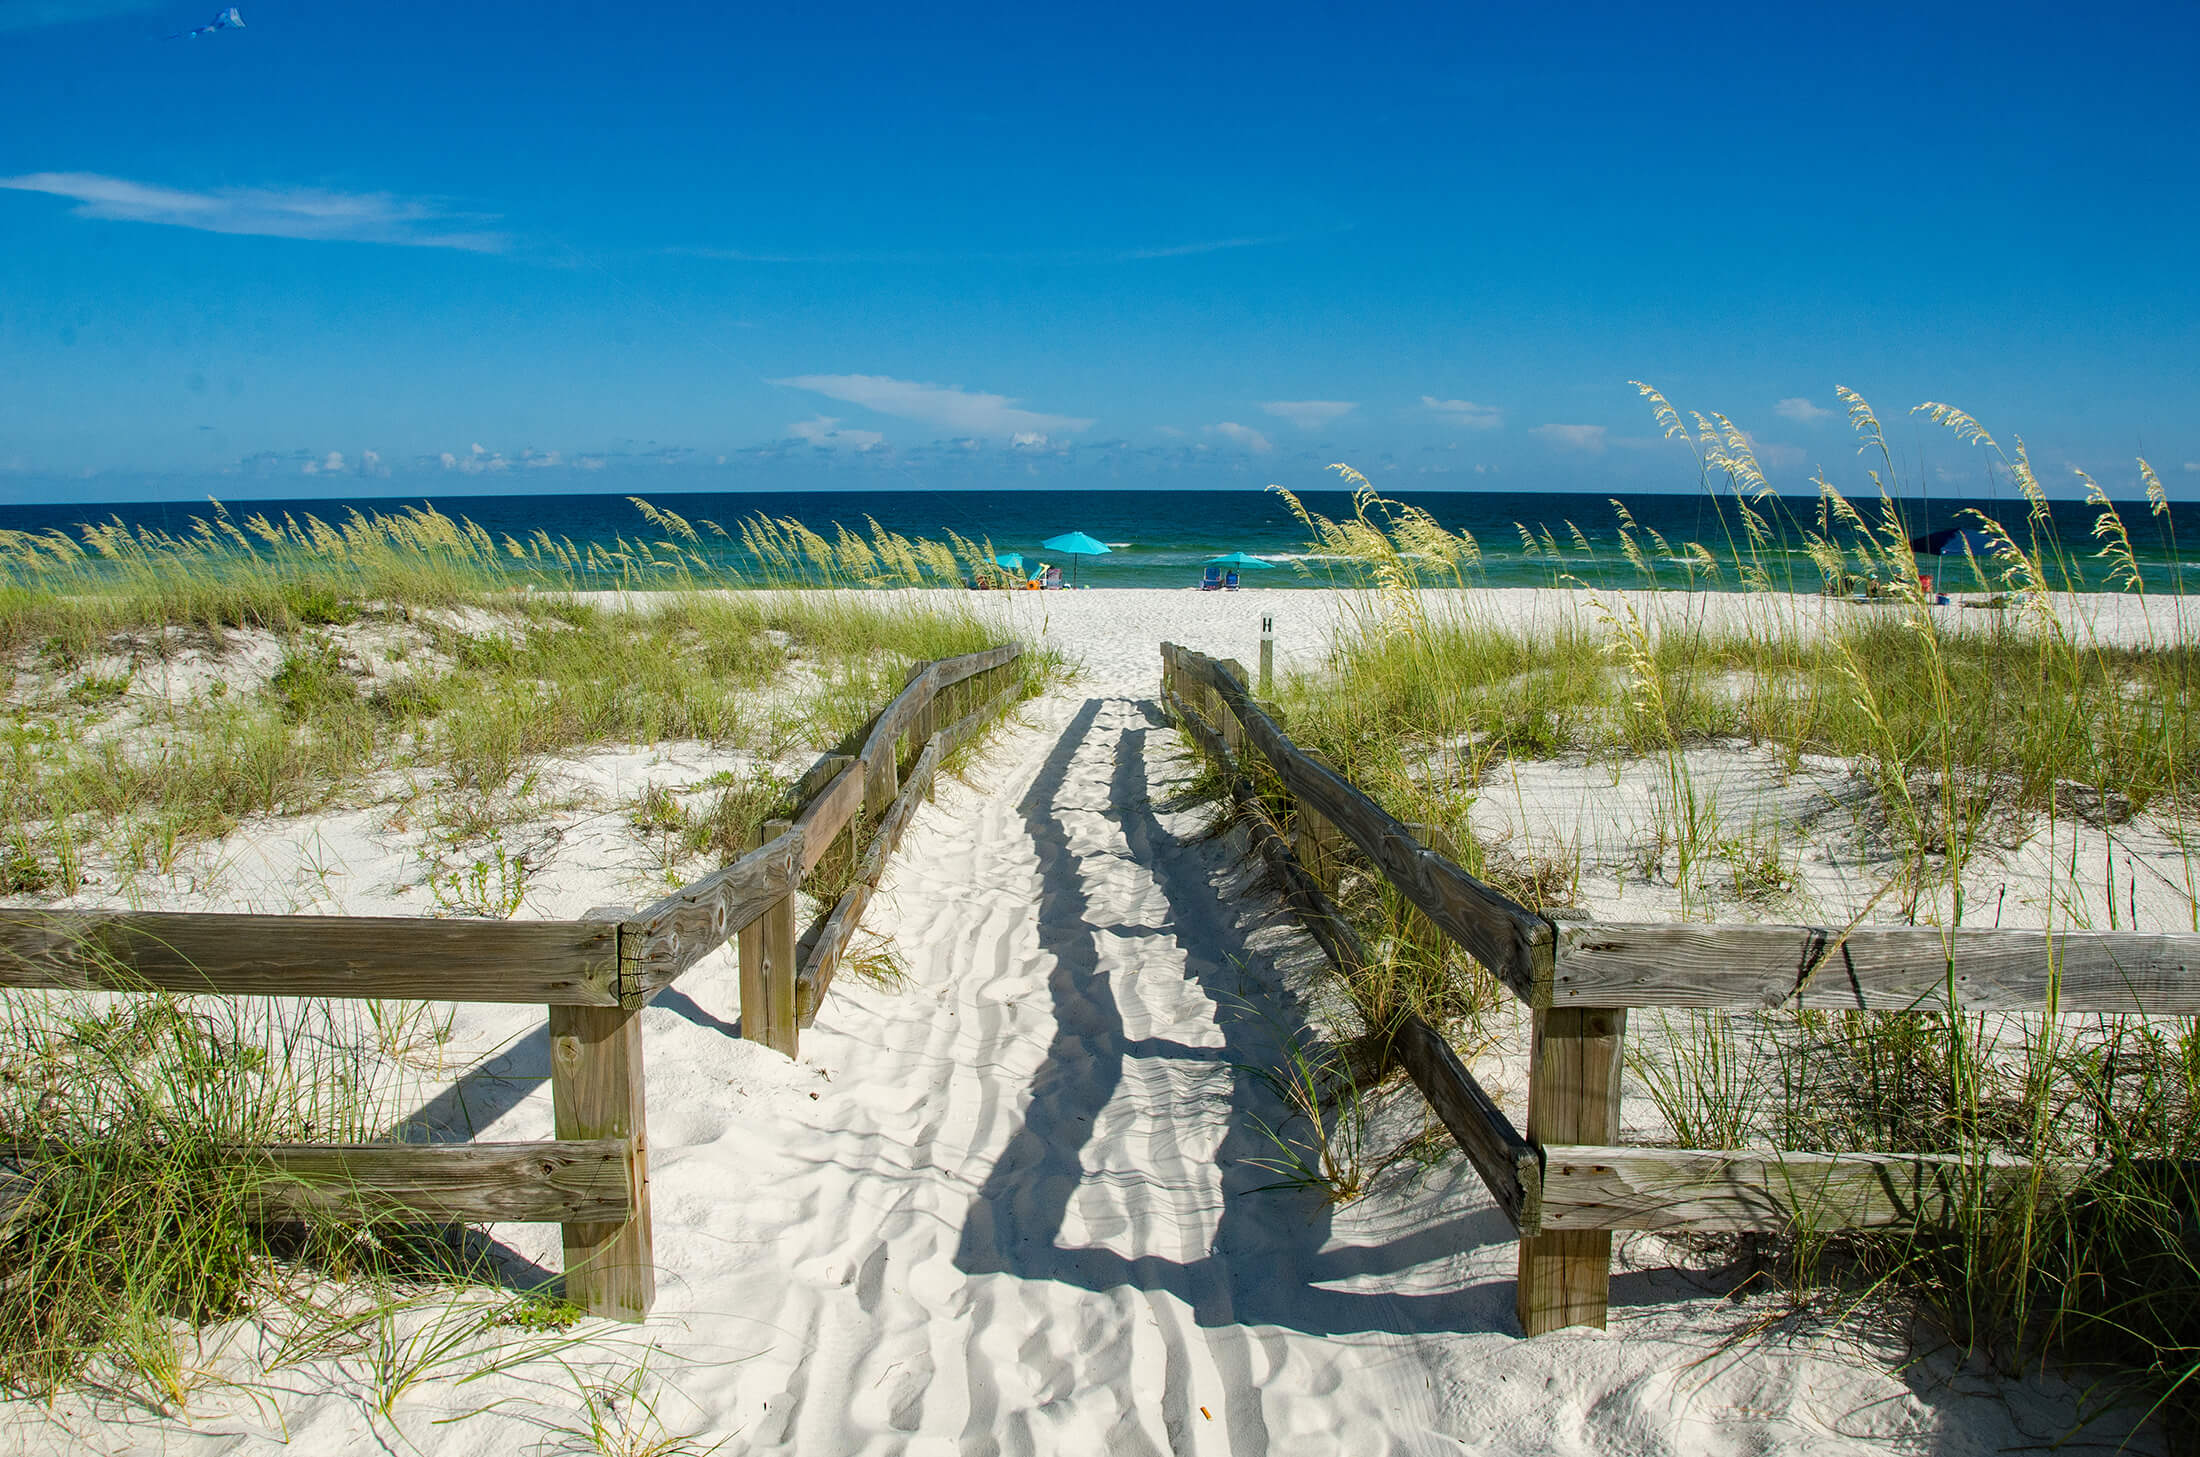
1075, 544
1958, 541
228, 20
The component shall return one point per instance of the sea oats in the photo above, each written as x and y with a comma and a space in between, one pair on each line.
1668, 418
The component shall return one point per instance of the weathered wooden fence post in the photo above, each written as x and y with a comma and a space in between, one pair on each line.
1439, 839
767, 951
1267, 653
1573, 1097
596, 1092
1314, 840
1233, 732
881, 782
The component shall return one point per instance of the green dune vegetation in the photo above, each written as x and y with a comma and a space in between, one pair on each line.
166, 691
413, 644
1966, 736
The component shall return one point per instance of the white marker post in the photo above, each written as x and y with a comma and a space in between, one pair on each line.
1267, 653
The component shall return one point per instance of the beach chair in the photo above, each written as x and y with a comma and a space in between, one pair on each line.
1212, 581
1229, 581
1053, 577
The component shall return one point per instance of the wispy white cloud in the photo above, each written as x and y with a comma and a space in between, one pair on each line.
32, 14
825, 430
480, 460
268, 212
1573, 437
1244, 435
1309, 414
1801, 411
2192, 465
971, 412
1187, 250
327, 463
901, 258
1465, 412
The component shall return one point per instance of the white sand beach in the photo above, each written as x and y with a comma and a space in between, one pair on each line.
1012, 1205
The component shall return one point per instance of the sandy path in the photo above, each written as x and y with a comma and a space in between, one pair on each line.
1034, 1227
1022, 1218
1009, 1206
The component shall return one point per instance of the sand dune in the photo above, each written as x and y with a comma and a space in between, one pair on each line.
1011, 1205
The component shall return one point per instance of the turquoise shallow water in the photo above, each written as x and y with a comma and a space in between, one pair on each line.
1160, 538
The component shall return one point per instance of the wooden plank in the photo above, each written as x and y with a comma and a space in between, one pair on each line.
1878, 968
831, 943
669, 937
768, 970
1607, 1188
572, 963
839, 927
749, 965
597, 1092
881, 753
1233, 729
1508, 1163
1302, 891
1513, 942
823, 963
894, 721
556, 1182
1316, 841
969, 725
457, 1183
824, 817
954, 670
1574, 1060
820, 774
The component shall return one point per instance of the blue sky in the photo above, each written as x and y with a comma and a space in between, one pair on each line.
416, 248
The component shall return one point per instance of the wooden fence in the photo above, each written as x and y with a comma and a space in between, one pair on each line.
1568, 1183
594, 975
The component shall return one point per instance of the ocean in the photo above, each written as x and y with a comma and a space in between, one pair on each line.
1161, 538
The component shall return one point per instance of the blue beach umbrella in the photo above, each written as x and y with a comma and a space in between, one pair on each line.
1238, 559
228, 20
1958, 541
1013, 560
1075, 544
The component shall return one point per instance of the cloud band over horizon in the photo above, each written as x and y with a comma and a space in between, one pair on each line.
268, 212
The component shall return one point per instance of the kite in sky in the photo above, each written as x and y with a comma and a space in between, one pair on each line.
228, 20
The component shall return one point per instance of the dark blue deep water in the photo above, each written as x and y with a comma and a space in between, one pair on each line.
1161, 537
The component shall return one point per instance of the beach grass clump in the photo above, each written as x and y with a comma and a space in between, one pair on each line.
407, 643
162, 689
1970, 733
128, 1221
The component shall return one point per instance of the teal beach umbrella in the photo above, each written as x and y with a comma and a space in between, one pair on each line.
1237, 559
1013, 560
1075, 544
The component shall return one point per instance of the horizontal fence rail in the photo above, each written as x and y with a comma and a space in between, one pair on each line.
551, 1181
1507, 1163
831, 940
1875, 968
572, 963
1570, 1183
1514, 943
594, 975
1768, 1190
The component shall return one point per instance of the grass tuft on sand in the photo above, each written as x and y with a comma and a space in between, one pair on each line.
1969, 734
